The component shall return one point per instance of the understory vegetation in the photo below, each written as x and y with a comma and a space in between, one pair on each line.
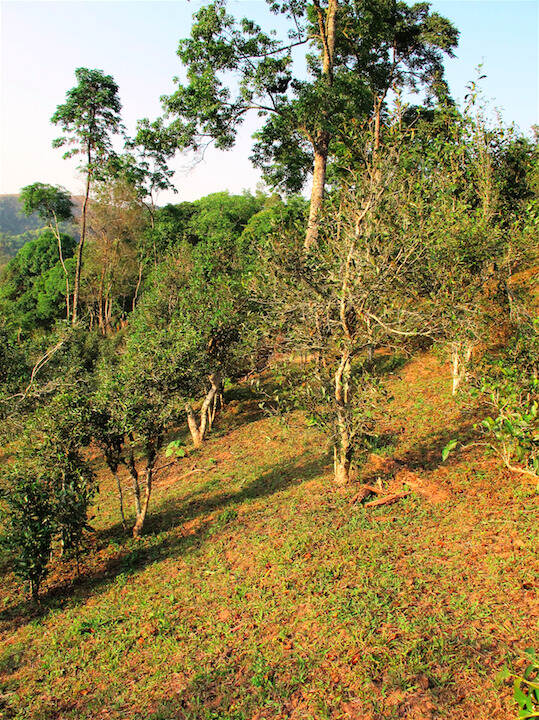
271, 458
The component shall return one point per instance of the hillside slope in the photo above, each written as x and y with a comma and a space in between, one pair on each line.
262, 591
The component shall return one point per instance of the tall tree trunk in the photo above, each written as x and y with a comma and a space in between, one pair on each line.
326, 26
100, 308
317, 192
139, 281
377, 112
78, 267
342, 464
57, 233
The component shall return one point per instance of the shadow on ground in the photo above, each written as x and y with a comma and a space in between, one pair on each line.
167, 521
425, 454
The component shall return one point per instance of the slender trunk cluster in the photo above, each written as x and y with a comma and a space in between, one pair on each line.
212, 402
142, 499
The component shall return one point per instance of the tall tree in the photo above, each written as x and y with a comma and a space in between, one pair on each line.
53, 205
362, 49
88, 118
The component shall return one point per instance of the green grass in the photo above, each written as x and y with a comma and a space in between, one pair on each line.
260, 591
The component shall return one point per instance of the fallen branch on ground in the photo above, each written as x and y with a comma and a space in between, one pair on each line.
364, 492
388, 499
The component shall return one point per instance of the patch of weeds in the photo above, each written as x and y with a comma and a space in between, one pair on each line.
226, 517
263, 676
94, 625
525, 686
165, 711
382, 443
176, 449
11, 658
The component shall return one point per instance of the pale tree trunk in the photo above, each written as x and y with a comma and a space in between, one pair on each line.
108, 312
326, 26
461, 354
342, 464
142, 503
141, 514
100, 296
343, 442
207, 411
377, 111
57, 233
317, 192
137, 288
78, 267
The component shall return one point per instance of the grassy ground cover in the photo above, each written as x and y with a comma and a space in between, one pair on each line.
262, 591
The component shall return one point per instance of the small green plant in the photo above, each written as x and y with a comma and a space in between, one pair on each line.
509, 386
29, 525
511, 389
525, 686
451, 445
227, 516
176, 449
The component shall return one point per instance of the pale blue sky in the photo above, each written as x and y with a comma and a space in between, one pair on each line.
43, 42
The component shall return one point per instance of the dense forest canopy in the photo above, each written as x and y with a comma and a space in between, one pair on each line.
127, 326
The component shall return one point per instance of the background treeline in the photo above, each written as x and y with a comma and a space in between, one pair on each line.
16, 228
427, 236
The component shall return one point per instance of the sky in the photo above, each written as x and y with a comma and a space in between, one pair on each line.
42, 42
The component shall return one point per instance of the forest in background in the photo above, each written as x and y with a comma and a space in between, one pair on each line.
123, 342
16, 228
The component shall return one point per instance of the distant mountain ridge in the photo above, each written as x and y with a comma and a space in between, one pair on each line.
16, 229
14, 222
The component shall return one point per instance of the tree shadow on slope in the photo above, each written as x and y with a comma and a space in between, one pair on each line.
165, 537
425, 454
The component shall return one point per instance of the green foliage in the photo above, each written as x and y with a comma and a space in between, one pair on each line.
50, 487
32, 290
170, 229
28, 519
175, 448
89, 116
145, 163
525, 686
509, 384
51, 203
448, 449
216, 219
234, 66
